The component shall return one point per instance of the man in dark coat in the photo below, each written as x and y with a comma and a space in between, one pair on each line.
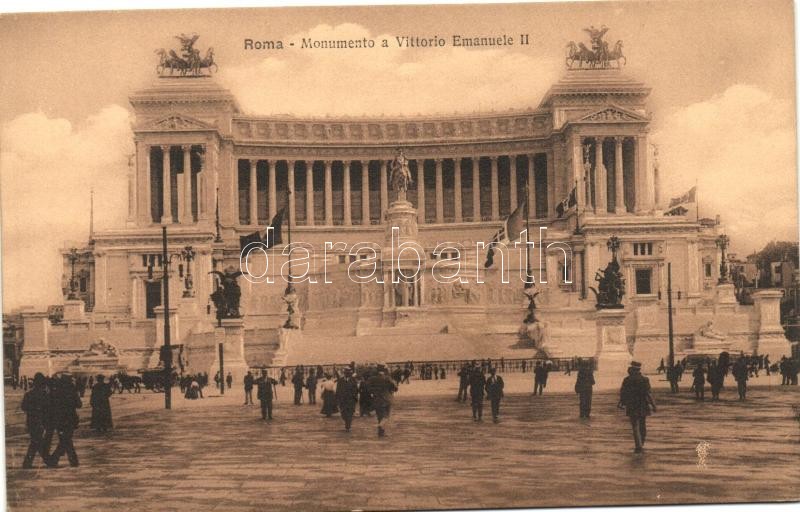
699, 382
583, 386
494, 392
297, 382
347, 396
635, 398
477, 387
311, 385
64, 402
539, 378
673, 377
35, 404
264, 393
248, 388
740, 373
381, 389
364, 402
463, 383
101, 405
715, 380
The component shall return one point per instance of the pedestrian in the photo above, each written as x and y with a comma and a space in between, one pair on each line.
101, 406
583, 387
477, 387
539, 378
248, 388
463, 383
381, 389
740, 373
715, 380
265, 392
328, 386
673, 378
311, 385
282, 378
64, 404
364, 405
661, 367
699, 382
347, 396
767, 364
229, 380
297, 382
35, 404
635, 398
494, 391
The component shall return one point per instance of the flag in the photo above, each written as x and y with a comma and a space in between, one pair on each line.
273, 236
510, 232
677, 205
567, 203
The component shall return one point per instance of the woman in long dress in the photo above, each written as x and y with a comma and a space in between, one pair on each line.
101, 406
328, 386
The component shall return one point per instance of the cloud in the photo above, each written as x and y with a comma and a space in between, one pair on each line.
740, 147
388, 81
48, 168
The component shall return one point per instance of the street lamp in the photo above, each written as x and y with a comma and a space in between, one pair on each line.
73, 258
187, 254
722, 242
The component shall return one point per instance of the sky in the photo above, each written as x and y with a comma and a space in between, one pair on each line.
722, 75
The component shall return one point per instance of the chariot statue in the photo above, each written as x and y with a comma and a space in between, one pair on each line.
600, 56
189, 62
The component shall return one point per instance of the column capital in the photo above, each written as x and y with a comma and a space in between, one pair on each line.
438, 160
165, 147
253, 162
186, 147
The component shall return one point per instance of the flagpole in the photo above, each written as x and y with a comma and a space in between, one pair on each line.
577, 210
528, 278
696, 201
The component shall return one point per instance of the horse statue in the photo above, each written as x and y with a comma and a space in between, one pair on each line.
601, 58
208, 61
616, 54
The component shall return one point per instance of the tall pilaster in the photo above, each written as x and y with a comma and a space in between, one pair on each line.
346, 193
166, 186
328, 194
495, 190
457, 188
643, 203
290, 186
619, 177
365, 193
476, 190
186, 211
272, 168
600, 180
254, 192
309, 192
439, 192
531, 188
512, 181
575, 145
421, 190
384, 186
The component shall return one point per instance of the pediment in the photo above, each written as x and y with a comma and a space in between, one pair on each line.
176, 122
612, 114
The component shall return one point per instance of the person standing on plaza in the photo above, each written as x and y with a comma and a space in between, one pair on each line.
35, 404
364, 405
248, 389
101, 406
282, 378
672, 378
463, 383
494, 392
311, 386
635, 398
477, 387
715, 380
740, 373
699, 382
229, 380
347, 396
297, 382
265, 392
328, 386
583, 386
64, 404
539, 378
661, 367
381, 389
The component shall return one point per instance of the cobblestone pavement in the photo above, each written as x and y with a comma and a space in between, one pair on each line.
216, 454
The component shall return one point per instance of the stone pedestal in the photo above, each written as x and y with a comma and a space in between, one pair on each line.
725, 294
613, 358
285, 337
36, 356
771, 338
402, 215
74, 310
231, 336
173, 332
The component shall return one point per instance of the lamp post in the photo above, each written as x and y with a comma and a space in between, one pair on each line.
722, 242
613, 246
73, 258
187, 255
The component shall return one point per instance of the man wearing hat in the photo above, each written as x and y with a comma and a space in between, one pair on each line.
583, 387
635, 397
477, 387
264, 393
35, 405
347, 396
65, 401
494, 392
381, 388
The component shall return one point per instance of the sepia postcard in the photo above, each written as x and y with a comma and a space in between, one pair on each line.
400, 257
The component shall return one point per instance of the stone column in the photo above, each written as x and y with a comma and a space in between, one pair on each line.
365, 193
273, 189
457, 187
512, 181
166, 216
439, 192
771, 338
346, 166
253, 192
290, 186
612, 353
421, 190
309, 192
476, 190
495, 190
328, 194
384, 186
600, 181
144, 205
576, 148
531, 188
186, 211
642, 202
619, 177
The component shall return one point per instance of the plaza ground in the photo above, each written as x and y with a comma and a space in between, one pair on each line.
217, 454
